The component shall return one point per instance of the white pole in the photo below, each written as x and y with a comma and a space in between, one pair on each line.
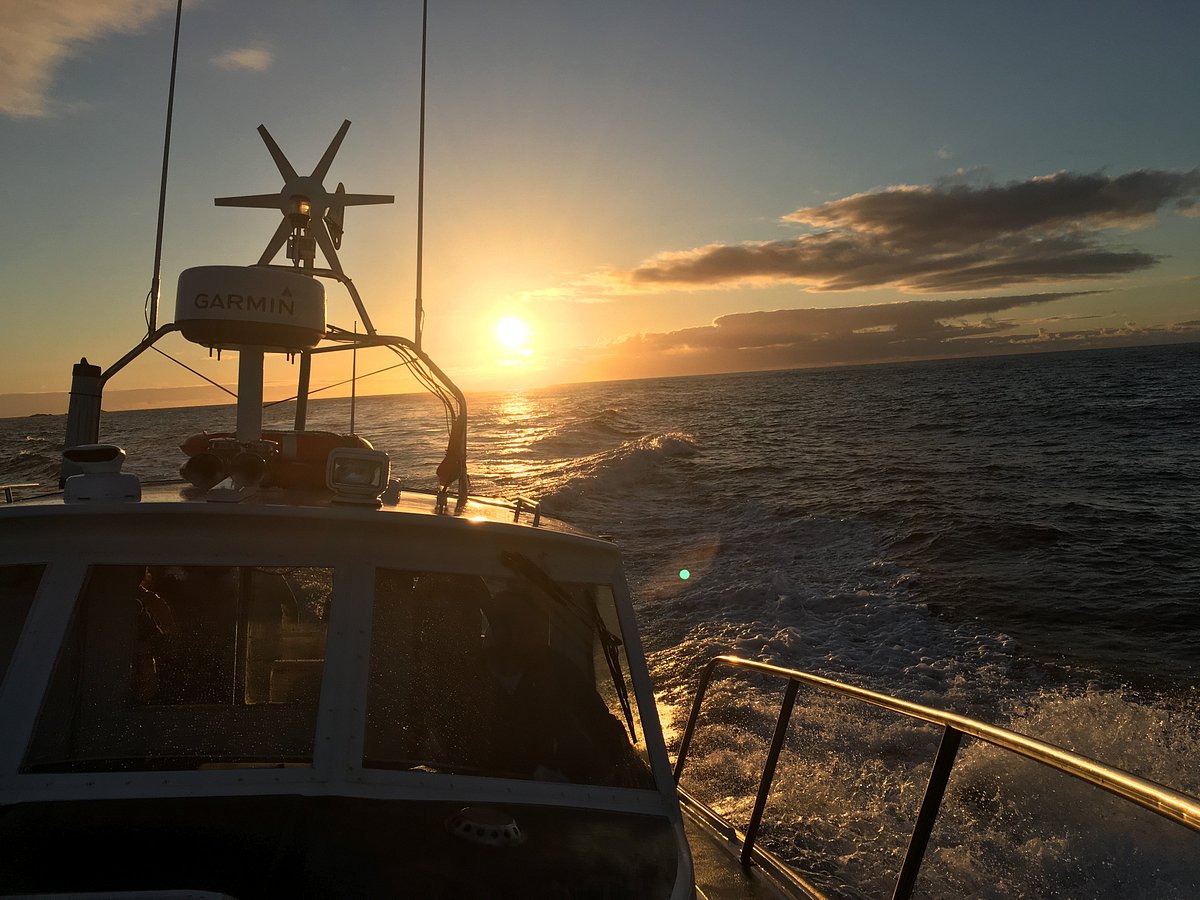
353, 375
250, 394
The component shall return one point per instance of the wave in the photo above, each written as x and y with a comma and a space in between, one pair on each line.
960, 539
40, 466
816, 594
604, 476
586, 433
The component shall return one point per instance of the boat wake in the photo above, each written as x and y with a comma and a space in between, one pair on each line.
715, 571
644, 469
584, 435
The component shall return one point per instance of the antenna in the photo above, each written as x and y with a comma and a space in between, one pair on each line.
353, 375
152, 299
420, 311
312, 217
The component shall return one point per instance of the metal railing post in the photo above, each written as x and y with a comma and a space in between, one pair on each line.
690, 728
8, 490
768, 775
938, 778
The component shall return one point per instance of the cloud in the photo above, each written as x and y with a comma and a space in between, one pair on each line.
892, 323
251, 59
913, 329
40, 35
946, 237
963, 215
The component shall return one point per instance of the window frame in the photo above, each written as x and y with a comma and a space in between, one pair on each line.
338, 750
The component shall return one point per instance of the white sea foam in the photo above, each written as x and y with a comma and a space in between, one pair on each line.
617, 474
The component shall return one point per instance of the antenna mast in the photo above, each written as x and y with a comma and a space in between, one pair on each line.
152, 300
420, 311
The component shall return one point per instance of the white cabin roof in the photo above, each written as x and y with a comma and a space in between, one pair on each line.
184, 498
297, 527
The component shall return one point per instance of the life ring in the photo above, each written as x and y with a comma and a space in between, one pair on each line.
300, 457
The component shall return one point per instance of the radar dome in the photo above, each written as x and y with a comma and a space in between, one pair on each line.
226, 307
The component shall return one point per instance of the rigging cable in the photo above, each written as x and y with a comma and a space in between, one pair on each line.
331, 386
419, 372
193, 371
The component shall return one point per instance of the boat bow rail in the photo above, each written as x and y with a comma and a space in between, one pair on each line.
9, 488
1157, 798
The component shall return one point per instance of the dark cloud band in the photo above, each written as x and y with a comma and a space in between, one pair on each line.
913, 329
947, 238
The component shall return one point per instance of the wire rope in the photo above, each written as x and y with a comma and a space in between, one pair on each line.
194, 372
335, 384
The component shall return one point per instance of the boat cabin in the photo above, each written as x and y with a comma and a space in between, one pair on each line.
279, 698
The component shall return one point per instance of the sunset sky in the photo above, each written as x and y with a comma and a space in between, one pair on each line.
635, 188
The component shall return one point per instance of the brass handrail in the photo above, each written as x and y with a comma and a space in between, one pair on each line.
9, 488
1155, 797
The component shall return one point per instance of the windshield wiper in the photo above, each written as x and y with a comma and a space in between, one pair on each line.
609, 642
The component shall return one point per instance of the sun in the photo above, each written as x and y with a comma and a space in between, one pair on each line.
513, 333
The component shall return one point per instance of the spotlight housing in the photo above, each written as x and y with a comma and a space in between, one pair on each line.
357, 476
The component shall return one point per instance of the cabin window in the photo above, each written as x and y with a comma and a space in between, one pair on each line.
18, 584
185, 667
496, 678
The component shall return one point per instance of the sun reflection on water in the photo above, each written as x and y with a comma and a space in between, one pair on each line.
516, 423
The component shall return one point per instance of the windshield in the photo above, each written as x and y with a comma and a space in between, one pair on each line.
168, 667
495, 677
177, 667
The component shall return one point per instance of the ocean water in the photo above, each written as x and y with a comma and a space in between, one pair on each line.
1013, 538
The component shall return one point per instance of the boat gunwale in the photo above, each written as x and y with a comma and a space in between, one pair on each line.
309, 781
